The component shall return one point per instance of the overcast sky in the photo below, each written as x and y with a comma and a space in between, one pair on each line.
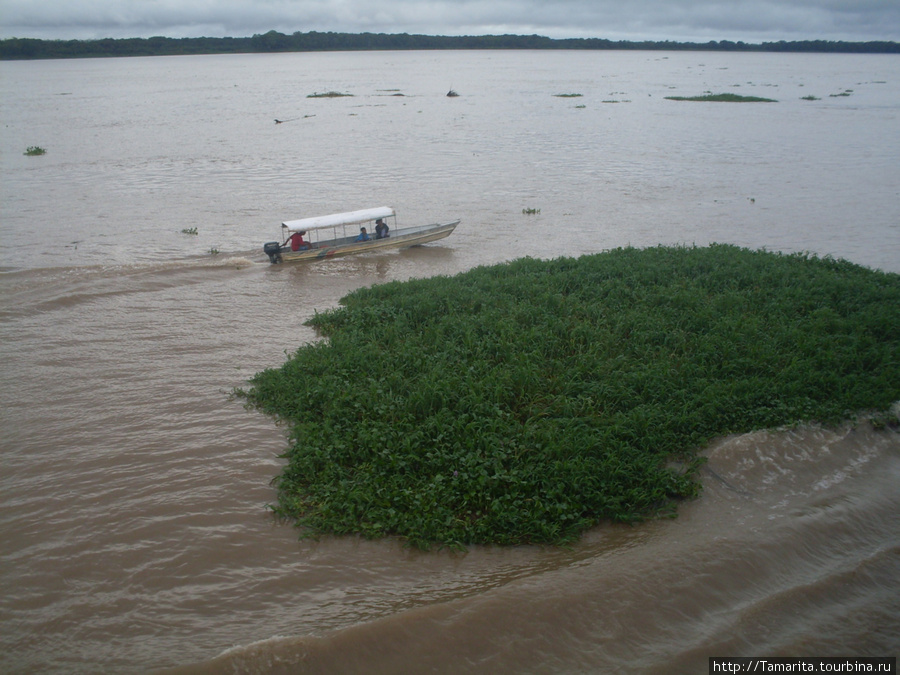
679, 20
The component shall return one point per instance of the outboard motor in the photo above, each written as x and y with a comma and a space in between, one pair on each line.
273, 250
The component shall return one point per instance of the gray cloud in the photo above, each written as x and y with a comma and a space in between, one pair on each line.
679, 20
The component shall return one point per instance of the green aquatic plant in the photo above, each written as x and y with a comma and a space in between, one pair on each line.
328, 94
530, 211
34, 151
214, 251
189, 230
528, 401
568, 95
810, 98
723, 98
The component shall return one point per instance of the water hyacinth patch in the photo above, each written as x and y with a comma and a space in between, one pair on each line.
526, 402
722, 98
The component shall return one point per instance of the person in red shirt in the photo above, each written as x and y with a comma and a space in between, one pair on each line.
296, 240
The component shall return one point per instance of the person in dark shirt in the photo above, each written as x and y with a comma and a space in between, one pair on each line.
381, 229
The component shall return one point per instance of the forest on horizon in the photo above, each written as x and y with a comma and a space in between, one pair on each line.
273, 42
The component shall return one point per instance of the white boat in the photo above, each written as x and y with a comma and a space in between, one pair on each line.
349, 233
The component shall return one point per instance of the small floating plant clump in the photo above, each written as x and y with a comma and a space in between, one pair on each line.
568, 95
526, 402
34, 151
531, 211
723, 98
328, 94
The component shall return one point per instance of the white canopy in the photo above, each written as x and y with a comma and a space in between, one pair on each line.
349, 218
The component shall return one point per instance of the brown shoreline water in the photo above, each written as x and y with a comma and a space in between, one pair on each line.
792, 550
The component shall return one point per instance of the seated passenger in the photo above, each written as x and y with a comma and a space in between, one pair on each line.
297, 243
363, 235
381, 229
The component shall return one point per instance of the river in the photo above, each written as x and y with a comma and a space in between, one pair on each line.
134, 296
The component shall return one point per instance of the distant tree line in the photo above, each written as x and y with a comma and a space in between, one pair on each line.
273, 41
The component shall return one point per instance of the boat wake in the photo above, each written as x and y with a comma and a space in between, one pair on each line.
29, 290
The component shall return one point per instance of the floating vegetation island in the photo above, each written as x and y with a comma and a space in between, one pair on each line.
723, 98
528, 401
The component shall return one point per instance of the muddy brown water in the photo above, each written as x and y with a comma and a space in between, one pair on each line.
133, 489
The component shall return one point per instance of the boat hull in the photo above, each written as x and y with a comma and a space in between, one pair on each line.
401, 238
